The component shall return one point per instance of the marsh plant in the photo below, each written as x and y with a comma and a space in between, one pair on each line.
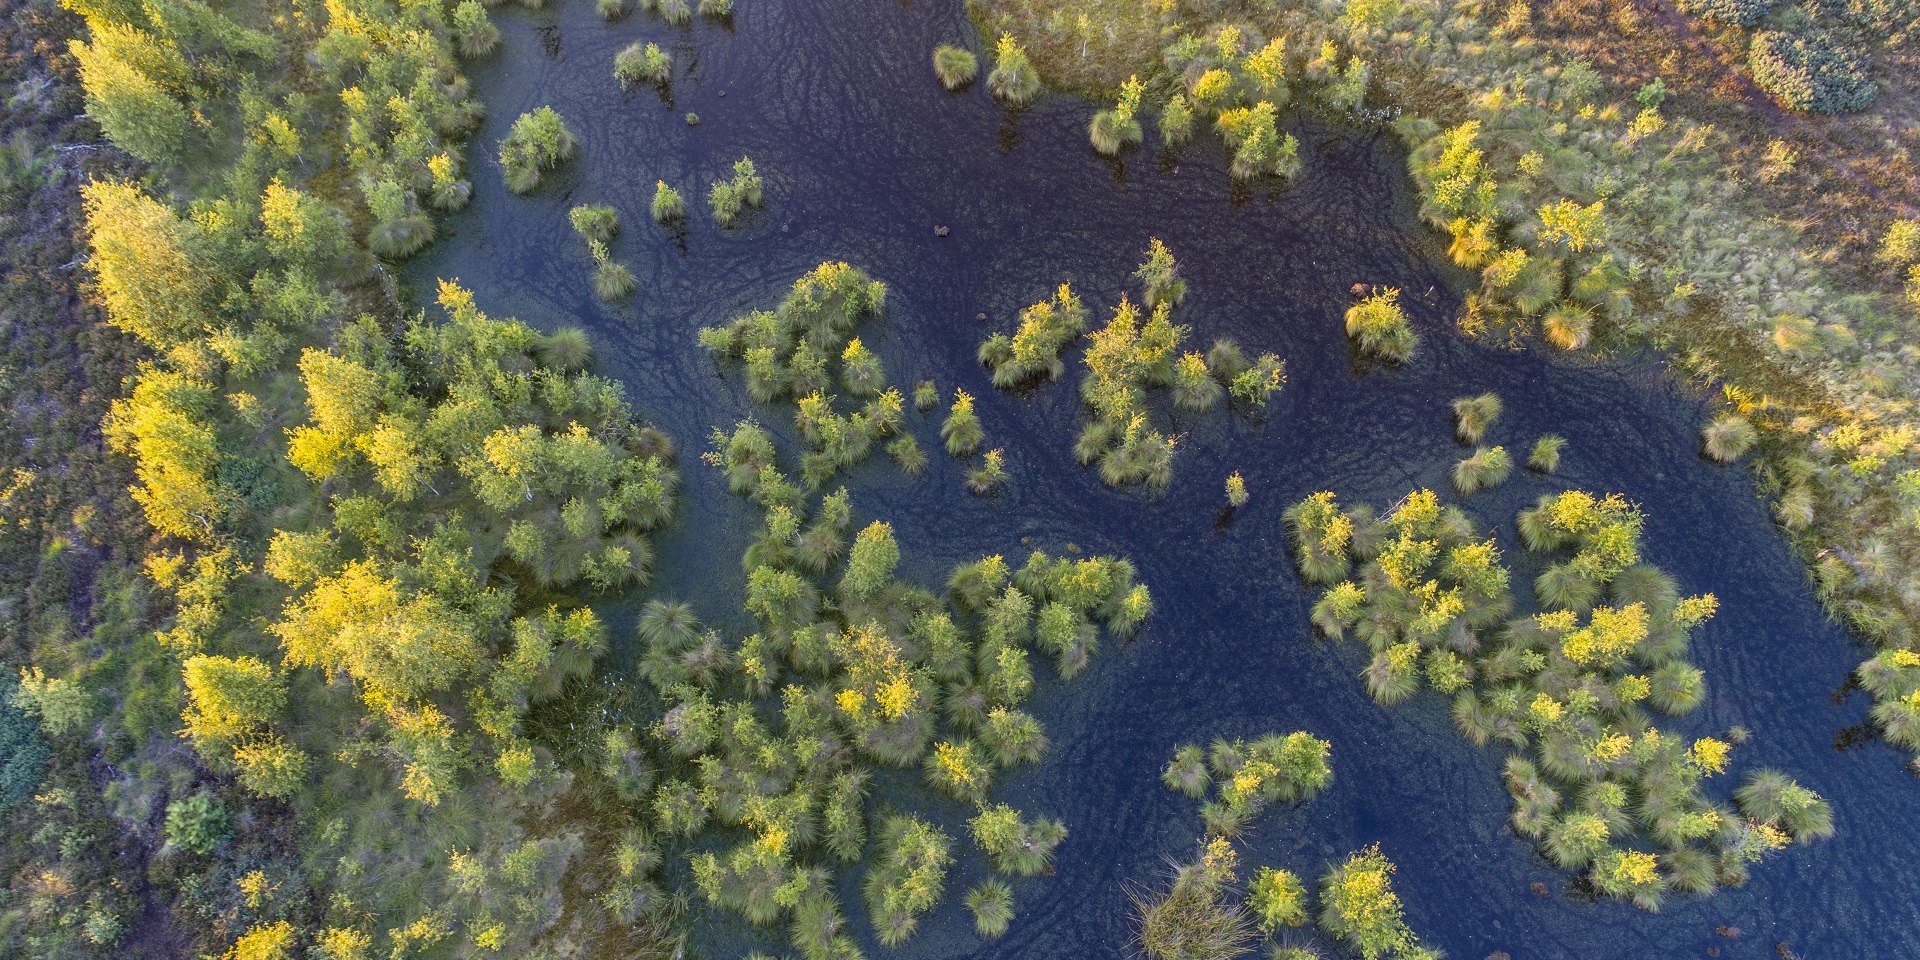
1472, 416
991, 903
1248, 776
668, 206
595, 223
769, 742
1359, 907
1176, 121
729, 198
1034, 349
474, 32
1379, 327
990, 475
611, 10
1116, 129
1198, 914
643, 63
805, 351
611, 279
954, 66
538, 141
961, 430
1545, 457
1487, 467
1236, 490
1569, 689
1728, 438
926, 396
1013, 80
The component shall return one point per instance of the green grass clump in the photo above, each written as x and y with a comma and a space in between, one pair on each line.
594, 222
729, 198
538, 140
906, 876
990, 475
1545, 457
1196, 917
1014, 845
992, 905
1568, 326
716, 9
1487, 467
613, 281
956, 67
1236, 490
668, 206
1772, 797
1117, 129
926, 396
1728, 438
610, 10
643, 63
961, 430
1013, 80
1379, 327
1472, 416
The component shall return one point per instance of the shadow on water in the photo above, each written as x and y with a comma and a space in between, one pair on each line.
864, 154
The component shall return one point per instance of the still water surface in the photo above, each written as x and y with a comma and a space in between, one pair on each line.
863, 155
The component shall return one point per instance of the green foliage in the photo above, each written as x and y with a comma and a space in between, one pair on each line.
1014, 845
1545, 457
1359, 907
992, 905
1487, 467
1013, 80
198, 824
23, 751
906, 876
1195, 917
1045, 331
1379, 327
61, 704
1249, 776
1744, 13
594, 222
1811, 71
538, 141
1117, 129
643, 63
1277, 899
1565, 687
729, 198
954, 66
668, 207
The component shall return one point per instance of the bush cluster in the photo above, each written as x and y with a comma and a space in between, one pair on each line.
1811, 71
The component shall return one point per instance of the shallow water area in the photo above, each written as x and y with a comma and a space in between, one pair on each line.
863, 155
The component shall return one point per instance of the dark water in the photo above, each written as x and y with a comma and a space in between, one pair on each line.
863, 154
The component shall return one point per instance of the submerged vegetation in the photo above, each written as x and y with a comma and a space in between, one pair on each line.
1567, 689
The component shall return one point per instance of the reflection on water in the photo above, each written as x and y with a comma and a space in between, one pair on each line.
864, 155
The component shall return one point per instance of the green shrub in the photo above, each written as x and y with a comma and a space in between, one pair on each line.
992, 906
198, 823
1743, 13
594, 222
1809, 71
23, 752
